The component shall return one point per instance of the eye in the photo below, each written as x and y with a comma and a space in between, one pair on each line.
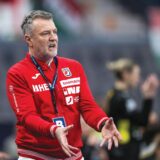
55, 31
45, 33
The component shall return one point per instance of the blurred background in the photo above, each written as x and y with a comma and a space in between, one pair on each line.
93, 32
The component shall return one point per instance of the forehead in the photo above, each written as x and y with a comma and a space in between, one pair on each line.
40, 24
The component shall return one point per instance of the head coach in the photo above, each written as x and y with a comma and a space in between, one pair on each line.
48, 94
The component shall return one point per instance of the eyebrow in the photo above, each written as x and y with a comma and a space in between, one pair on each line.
49, 30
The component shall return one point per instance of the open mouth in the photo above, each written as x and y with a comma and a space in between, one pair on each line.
51, 46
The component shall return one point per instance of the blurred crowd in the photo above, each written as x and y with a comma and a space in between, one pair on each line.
140, 128
138, 123
73, 18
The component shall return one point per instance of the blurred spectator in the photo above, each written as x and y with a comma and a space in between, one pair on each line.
4, 156
151, 138
103, 18
91, 141
9, 27
152, 150
157, 152
124, 109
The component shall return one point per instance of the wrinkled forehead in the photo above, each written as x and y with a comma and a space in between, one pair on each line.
40, 24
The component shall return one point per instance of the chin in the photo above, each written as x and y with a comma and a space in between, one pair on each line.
52, 54
55, 54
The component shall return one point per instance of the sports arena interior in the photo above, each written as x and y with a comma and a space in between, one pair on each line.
94, 32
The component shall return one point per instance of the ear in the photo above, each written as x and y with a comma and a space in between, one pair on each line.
28, 40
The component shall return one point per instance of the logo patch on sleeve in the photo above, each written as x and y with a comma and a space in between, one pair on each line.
66, 71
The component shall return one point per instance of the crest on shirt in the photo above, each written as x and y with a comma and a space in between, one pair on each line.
66, 72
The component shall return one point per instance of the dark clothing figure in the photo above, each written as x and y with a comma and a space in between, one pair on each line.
123, 108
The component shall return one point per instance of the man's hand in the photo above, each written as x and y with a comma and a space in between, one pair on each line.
110, 134
4, 156
61, 134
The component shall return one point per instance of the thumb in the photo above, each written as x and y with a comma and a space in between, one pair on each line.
109, 122
68, 128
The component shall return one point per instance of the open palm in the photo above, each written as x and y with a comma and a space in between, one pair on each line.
110, 134
61, 134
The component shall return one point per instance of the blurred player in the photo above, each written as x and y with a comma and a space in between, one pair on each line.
48, 94
124, 109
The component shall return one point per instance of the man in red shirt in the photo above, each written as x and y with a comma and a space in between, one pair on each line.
48, 94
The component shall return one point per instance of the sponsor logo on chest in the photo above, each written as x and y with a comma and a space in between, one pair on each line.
70, 86
71, 90
70, 82
40, 87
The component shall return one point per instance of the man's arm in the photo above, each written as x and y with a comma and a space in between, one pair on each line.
95, 116
21, 100
22, 103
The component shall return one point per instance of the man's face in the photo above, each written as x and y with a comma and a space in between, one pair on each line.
44, 39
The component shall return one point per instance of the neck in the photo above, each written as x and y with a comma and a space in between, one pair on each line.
49, 62
45, 59
120, 85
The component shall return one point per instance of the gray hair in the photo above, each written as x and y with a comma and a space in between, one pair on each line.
26, 25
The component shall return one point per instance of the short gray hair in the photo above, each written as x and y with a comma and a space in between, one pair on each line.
26, 25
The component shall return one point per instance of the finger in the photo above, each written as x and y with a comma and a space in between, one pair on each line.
103, 141
72, 153
110, 142
73, 148
66, 151
109, 122
118, 135
68, 128
64, 145
115, 140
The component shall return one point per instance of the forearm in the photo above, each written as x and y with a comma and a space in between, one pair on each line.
93, 115
39, 126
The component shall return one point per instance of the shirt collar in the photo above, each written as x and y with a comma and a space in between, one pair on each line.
43, 65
